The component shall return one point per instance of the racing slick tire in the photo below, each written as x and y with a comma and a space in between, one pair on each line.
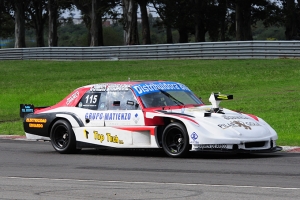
175, 140
62, 137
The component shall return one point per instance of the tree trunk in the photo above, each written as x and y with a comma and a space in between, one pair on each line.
223, 8
40, 36
94, 24
290, 20
169, 35
145, 22
199, 25
243, 20
37, 16
100, 31
130, 22
238, 21
53, 16
183, 35
247, 30
93, 11
19, 25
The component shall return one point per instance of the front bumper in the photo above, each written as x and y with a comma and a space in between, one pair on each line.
270, 150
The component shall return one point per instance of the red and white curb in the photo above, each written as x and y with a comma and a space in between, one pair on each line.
13, 137
288, 149
291, 149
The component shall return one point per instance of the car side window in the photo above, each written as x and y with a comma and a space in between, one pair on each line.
122, 100
93, 101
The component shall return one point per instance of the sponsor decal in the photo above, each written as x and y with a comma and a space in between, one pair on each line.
98, 88
31, 125
246, 125
240, 124
74, 96
109, 87
197, 109
36, 120
222, 97
28, 109
109, 138
144, 88
234, 117
86, 134
98, 136
212, 146
136, 118
118, 87
108, 116
194, 136
182, 110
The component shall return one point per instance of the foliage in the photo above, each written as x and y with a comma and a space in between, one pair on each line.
6, 22
262, 33
191, 21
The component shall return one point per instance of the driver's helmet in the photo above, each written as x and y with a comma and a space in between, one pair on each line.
148, 100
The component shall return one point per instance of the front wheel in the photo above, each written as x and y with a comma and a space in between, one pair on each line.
62, 137
175, 141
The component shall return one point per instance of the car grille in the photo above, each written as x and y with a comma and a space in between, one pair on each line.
255, 144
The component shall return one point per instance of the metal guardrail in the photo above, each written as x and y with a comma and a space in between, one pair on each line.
204, 50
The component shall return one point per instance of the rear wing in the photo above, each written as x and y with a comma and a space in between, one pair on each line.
25, 109
216, 98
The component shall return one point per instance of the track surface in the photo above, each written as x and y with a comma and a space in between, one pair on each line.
33, 170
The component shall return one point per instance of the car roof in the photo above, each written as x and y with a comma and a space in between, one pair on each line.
130, 83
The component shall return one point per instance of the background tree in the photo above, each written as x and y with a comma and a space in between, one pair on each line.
130, 22
19, 9
199, 18
163, 9
95, 10
55, 9
177, 14
38, 12
6, 21
291, 11
243, 19
145, 21
52, 23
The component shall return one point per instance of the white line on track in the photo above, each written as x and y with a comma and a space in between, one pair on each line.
153, 183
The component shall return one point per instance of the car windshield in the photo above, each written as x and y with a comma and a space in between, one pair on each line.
169, 98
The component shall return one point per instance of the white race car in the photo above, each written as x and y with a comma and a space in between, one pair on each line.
146, 114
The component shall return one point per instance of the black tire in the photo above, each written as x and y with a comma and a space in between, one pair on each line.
62, 137
175, 140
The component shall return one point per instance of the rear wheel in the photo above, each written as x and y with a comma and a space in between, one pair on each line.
175, 141
62, 137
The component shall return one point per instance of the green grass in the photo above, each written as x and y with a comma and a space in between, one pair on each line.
267, 88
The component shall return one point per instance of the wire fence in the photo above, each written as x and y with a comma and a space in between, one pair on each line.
204, 50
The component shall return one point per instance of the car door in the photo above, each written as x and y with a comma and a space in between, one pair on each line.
123, 109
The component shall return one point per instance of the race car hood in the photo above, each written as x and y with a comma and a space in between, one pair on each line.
226, 123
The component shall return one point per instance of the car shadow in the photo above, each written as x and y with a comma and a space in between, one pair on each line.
191, 155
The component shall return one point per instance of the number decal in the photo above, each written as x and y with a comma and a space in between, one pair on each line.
91, 99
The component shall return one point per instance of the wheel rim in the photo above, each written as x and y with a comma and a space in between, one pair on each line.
61, 137
175, 141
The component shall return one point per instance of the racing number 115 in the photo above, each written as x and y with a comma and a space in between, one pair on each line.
91, 99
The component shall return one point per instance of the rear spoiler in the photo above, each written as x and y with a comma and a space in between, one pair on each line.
216, 98
25, 109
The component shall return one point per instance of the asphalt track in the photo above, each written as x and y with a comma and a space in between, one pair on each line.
33, 170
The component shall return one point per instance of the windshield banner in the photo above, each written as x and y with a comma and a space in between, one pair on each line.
146, 88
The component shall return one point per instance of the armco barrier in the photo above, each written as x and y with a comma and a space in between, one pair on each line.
203, 50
